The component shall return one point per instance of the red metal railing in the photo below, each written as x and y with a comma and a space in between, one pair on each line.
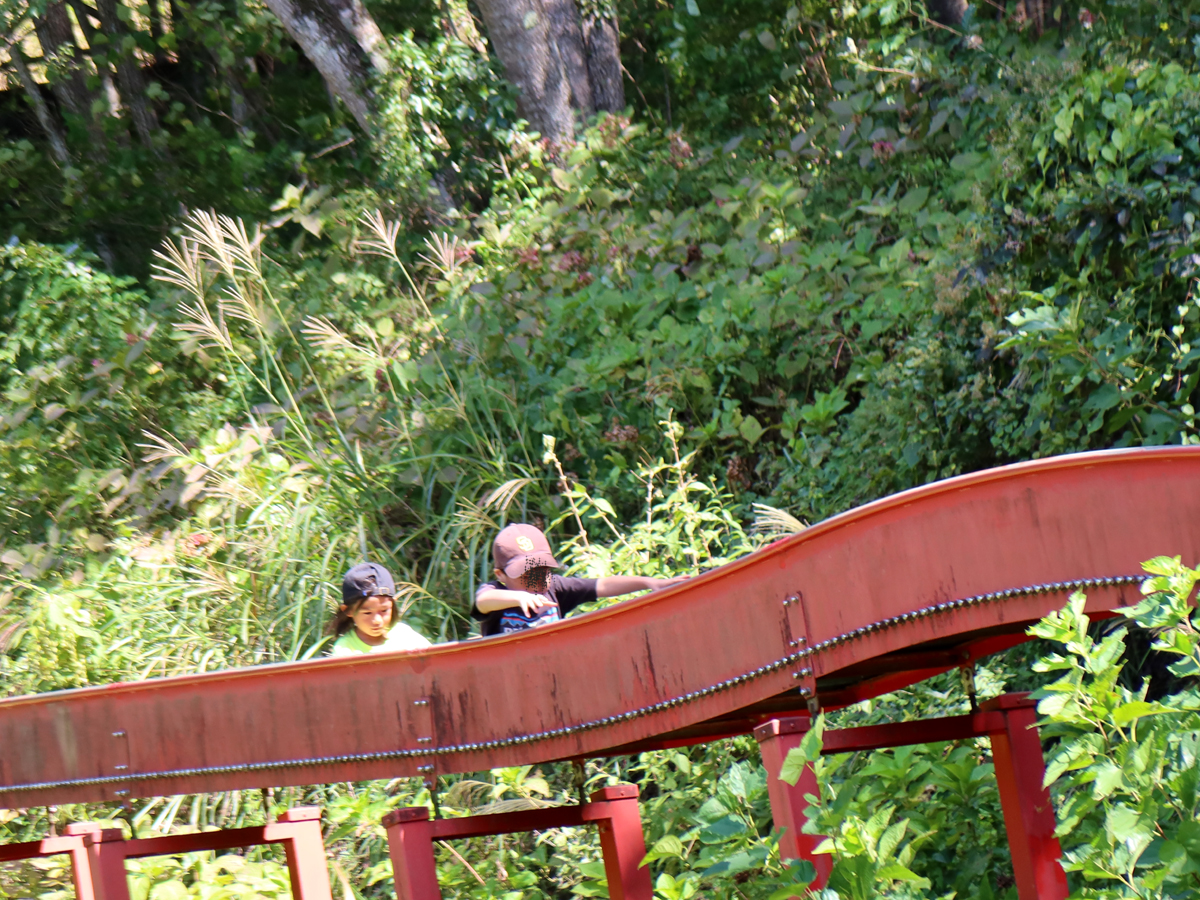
98, 855
856, 606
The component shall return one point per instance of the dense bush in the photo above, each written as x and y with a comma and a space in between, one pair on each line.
830, 253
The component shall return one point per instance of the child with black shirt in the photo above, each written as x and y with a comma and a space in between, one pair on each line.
526, 593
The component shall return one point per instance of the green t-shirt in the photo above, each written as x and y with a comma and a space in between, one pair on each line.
401, 637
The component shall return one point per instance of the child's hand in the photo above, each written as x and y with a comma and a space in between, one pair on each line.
531, 604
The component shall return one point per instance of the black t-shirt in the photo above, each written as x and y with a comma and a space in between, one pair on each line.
565, 592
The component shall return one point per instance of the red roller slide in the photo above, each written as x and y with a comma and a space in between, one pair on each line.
861, 604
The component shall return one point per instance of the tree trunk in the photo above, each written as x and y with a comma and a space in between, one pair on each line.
556, 61
341, 39
50, 125
603, 42
458, 22
157, 30
66, 75
567, 35
948, 12
519, 30
129, 74
362, 27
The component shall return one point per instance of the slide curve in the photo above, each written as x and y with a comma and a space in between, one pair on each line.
861, 604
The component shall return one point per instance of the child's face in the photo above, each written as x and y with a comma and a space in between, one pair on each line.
373, 616
535, 581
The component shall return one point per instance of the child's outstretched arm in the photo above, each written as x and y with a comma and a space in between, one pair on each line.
496, 598
616, 585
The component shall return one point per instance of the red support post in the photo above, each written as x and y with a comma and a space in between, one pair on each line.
81, 870
72, 844
410, 843
1028, 812
615, 811
775, 738
105, 848
299, 830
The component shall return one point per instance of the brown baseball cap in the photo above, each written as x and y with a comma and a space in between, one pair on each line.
519, 548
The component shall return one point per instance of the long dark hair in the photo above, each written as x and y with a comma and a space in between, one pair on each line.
342, 621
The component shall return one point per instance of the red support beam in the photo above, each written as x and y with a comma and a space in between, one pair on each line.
509, 823
72, 843
614, 810
106, 859
1009, 720
298, 830
1028, 813
410, 845
902, 734
775, 738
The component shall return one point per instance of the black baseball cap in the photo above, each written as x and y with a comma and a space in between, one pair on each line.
367, 580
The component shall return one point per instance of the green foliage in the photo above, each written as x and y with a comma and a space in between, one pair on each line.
1124, 768
85, 368
676, 531
444, 110
859, 253
238, 115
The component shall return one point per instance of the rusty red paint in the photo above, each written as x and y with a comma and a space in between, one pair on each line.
1076, 517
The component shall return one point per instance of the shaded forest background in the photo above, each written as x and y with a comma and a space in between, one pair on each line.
291, 284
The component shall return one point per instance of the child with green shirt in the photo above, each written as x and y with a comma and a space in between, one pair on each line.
366, 620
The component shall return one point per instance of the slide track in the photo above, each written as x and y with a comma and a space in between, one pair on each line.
864, 603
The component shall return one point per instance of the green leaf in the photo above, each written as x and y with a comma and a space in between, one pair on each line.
808, 752
913, 200
939, 119
891, 839
1108, 779
1102, 398
751, 430
1136, 709
897, 872
669, 847
602, 196
406, 371
1126, 825
722, 830
738, 862
169, 890
692, 8
604, 506
965, 162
